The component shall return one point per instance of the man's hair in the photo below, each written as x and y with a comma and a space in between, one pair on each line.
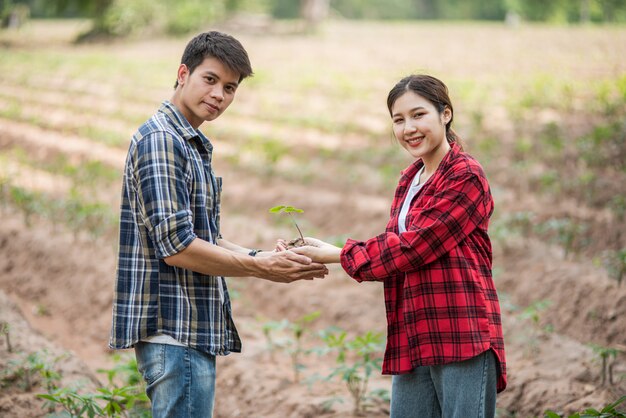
218, 45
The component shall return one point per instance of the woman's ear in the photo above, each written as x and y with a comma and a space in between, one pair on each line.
446, 115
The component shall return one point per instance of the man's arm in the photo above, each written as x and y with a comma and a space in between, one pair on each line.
285, 267
221, 242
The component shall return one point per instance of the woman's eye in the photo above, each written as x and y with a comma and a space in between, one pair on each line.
397, 121
209, 79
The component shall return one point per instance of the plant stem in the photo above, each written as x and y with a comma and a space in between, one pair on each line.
297, 227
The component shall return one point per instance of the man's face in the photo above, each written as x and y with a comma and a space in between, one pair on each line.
204, 94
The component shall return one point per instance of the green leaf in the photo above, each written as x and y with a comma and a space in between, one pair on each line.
285, 209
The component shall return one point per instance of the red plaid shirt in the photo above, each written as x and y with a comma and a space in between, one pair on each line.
440, 298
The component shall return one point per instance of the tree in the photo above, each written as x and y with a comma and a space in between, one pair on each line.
313, 12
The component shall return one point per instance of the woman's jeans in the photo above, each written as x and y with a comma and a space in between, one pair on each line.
466, 389
180, 380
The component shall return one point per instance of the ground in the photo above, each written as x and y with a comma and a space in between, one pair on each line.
309, 130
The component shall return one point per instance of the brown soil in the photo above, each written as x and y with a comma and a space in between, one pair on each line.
56, 288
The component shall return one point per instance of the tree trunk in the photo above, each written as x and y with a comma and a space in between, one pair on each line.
313, 12
584, 11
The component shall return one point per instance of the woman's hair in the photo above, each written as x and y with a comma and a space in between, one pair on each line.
433, 90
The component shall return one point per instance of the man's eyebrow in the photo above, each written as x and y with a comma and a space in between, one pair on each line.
214, 75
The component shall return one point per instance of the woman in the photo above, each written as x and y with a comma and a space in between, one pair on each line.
444, 336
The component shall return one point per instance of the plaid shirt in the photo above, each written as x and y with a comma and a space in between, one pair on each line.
440, 298
170, 197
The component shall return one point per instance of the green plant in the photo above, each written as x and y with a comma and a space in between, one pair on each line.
114, 400
356, 360
5, 329
125, 368
533, 311
22, 371
609, 411
75, 404
289, 210
95, 218
27, 202
615, 264
564, 231
606, 354
291, 343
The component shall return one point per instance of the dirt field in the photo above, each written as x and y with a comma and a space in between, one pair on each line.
311, 130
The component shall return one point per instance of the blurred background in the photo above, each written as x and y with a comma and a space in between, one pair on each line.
539, 93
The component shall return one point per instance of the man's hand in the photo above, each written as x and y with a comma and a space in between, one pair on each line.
287, 267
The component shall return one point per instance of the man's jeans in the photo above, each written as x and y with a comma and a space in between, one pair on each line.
466, 389
180, 380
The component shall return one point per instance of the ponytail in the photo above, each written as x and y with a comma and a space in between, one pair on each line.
453, 138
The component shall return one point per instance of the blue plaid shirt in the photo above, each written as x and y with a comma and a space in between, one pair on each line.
170, 197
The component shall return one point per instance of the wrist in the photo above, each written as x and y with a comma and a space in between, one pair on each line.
333, 255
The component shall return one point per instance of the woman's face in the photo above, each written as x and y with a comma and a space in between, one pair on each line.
418, 126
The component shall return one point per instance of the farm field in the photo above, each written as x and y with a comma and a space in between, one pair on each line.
542, 108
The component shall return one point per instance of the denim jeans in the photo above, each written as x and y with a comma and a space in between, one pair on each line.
180, 380
466, 389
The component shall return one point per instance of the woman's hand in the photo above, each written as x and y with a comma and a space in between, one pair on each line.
319, 251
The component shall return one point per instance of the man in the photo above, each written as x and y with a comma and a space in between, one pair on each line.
171, 302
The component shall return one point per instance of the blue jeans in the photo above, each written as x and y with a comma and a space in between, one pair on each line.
180, 380
466, 389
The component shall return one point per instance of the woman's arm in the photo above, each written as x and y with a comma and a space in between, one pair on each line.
461, 205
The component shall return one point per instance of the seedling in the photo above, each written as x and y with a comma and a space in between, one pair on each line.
609, 411
292, 343
356, 360
111, 401
605, 354
73, 403
289, 210
23, 371
615, 264
4, 329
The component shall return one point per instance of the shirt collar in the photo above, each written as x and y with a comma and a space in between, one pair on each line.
182, 125
411, 170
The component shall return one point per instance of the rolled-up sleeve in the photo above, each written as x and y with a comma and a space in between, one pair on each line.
160, 178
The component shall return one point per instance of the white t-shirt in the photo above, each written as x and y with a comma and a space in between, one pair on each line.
162, 339
413, 189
